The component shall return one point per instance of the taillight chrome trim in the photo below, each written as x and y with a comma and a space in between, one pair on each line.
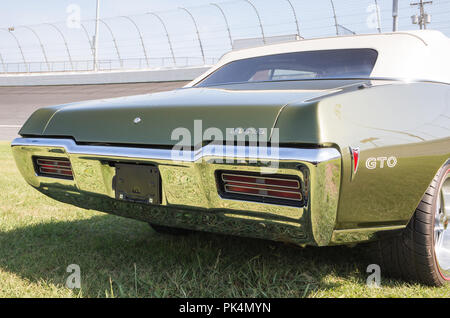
259, 188
53, 167
265, 195
260, 177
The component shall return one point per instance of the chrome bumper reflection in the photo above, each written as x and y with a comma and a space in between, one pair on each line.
189, 186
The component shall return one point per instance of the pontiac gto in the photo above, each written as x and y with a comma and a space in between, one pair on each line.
315, 142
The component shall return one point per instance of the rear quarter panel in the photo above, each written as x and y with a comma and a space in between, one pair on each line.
408, 121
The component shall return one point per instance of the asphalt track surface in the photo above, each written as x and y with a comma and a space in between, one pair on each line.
17, 103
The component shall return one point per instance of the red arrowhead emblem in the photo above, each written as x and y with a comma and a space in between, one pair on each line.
354, 152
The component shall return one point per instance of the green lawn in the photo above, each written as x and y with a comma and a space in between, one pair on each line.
118, 257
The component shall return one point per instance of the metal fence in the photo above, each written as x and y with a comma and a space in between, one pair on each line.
194, 36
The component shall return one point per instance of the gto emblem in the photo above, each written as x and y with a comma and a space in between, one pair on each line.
381, 162
137, 120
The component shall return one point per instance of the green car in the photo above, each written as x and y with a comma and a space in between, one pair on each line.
314, 142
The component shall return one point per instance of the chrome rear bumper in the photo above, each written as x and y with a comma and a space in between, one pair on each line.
190, 198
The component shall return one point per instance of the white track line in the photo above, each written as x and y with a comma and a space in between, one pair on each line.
10, 126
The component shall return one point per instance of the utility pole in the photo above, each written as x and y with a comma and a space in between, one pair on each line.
336, 25
394, 15
96, 36
378, 16
424, 18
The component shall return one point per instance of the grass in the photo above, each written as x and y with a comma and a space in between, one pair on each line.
119, 257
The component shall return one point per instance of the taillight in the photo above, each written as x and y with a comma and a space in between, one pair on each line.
284, 190
54, 167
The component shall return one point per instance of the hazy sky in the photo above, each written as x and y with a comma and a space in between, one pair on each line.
315, 20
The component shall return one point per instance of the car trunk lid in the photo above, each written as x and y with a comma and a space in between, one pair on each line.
151, 119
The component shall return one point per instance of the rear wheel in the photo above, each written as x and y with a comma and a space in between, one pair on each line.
169, 230
422, 251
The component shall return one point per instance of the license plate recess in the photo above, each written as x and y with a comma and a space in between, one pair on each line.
137, 183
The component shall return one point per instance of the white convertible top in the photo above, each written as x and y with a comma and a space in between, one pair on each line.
411, 55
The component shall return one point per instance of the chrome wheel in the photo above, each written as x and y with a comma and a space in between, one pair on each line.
442, 228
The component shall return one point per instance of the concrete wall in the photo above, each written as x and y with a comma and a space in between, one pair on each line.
110, 77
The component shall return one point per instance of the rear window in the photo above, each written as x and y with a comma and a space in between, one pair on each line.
309, 65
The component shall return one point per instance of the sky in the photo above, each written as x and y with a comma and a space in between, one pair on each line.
315, 19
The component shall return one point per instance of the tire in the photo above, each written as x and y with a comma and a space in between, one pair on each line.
417, 254
169, 230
